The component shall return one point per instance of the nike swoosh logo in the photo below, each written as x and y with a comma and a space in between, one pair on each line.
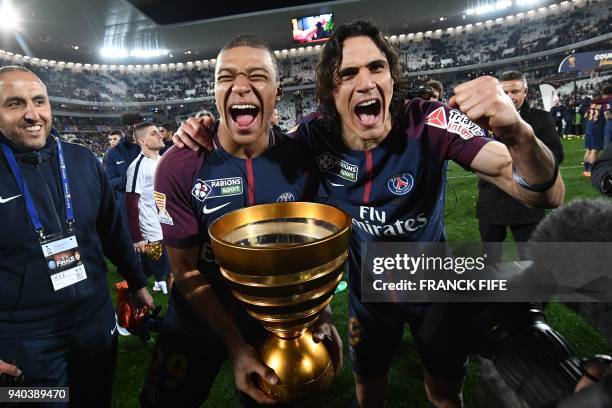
212, 210
6, 200
336, 185
114, 329
122, 161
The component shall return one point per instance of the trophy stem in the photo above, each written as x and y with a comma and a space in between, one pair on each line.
289, 335
303, 366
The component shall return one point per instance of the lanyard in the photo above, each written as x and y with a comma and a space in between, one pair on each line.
23, 187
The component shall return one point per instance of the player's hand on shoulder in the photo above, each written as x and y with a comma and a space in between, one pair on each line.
195, 133
245, 363
484, 102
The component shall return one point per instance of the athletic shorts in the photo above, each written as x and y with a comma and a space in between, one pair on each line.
593, 141
187, 358
375, 334
160, 268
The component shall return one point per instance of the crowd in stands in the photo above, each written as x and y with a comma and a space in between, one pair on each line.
489, 42
496, 41
526, 35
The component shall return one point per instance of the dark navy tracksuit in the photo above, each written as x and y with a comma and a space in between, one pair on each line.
65, 337
116, 162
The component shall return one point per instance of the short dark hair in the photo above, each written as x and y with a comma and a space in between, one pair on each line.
331, 59
138, 127
513, 76
252, 41
437, 85
116, 132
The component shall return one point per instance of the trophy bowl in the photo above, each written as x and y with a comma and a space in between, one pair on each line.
283, 261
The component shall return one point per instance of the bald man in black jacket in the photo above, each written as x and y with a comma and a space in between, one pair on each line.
496, 210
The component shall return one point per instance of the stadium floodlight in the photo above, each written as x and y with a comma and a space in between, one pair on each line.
526, 2
8, 16
148, 53
113, 52
489, 8
117, 52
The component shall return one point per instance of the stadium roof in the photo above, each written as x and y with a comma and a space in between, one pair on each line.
76, 30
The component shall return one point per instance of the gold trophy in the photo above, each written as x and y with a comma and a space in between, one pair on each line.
153, 250
283, 261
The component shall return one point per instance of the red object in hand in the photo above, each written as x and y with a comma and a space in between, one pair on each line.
129, 317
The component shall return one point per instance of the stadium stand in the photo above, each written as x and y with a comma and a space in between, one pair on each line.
85, 99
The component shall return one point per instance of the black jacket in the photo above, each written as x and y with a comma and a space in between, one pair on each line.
27, 299
557, 113
499, 208
116, 162
602, 169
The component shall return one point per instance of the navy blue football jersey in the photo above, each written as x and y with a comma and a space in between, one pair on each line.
395, 191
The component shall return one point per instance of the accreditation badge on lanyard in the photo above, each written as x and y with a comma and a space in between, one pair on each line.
63, 259
60, 250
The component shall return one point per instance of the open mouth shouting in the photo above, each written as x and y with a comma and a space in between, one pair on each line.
244, 115
368, 112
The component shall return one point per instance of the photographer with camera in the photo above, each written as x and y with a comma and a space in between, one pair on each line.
532, 358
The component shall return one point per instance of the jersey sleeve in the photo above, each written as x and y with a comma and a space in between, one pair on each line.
173, 182
133, 182
448, 130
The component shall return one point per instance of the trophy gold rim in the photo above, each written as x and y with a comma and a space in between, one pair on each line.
263, 259
264, 212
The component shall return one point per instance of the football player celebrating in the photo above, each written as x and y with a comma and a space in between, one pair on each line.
381, 159
251, 164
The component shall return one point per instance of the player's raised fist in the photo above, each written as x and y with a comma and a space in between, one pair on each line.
483, 101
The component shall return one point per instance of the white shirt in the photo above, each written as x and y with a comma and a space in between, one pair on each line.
140, 178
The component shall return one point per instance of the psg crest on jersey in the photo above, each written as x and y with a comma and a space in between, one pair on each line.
285, 197
401, 184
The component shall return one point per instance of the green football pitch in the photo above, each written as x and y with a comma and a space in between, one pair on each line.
406, 386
